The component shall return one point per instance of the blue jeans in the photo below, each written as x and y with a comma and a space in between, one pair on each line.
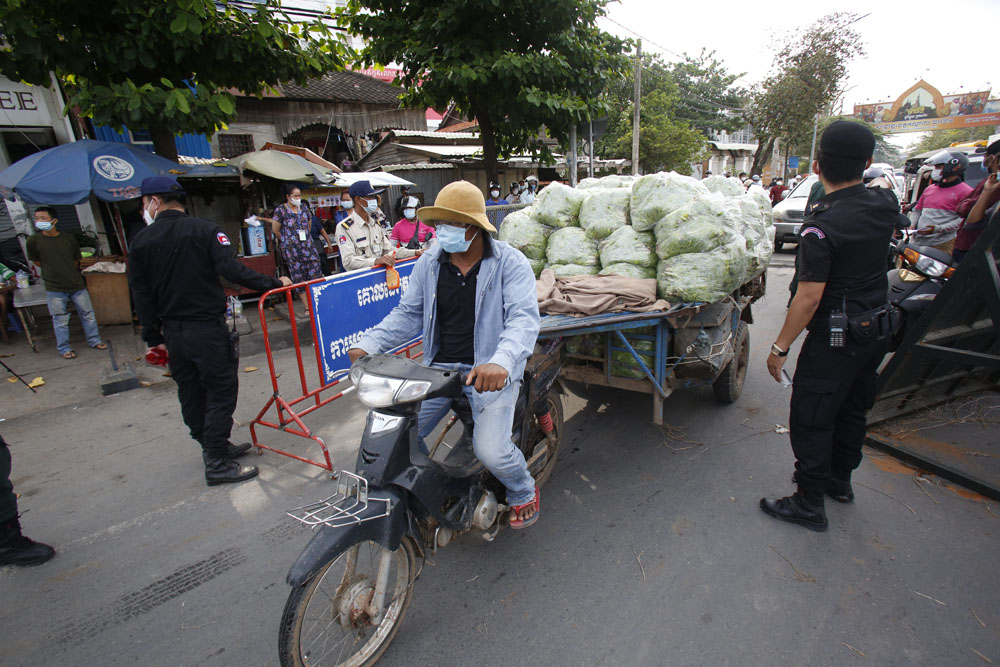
57, 302
491, 439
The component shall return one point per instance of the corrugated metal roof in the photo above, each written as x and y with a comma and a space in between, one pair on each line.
436, 135
444, 151
459, 127
345, 86
418, 166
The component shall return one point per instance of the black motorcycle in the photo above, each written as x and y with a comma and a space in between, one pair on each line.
921, 274
353, 582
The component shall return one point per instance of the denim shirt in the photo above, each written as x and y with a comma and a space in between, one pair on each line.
507, 320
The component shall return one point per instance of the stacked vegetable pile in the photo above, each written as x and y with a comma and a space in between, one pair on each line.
701, 240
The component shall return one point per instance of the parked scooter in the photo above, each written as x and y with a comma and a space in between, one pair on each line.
353, 582
912, 286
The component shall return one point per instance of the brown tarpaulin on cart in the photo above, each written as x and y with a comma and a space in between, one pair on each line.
591, 295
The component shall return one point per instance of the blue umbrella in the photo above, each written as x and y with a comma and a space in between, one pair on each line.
67, 174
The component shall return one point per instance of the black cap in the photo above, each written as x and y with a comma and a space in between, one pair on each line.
363, 189
994, 148
848, 140
159, 185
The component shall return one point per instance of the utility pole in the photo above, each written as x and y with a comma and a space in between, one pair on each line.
572, 155
590, 142
635, 112
812, 150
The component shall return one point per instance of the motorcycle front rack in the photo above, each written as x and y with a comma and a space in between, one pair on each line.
343, 508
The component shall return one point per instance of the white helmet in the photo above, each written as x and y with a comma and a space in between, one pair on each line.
532, 177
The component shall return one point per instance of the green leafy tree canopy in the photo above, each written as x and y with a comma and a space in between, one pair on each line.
807, 75
945, 138
707, 95
168, 65
665, 143
513, 66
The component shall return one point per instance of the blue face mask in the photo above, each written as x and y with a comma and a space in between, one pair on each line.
452, 239
43, 225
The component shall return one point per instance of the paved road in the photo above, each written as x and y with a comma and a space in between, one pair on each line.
650, 551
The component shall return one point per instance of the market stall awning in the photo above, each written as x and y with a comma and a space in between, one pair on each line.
378, 179
68, 174
282, 166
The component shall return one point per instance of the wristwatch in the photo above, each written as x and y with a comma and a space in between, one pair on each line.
777, 351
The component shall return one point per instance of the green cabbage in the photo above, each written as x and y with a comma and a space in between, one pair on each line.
623, 364
700, 226
604, 211
522, 232
588, 345
703, 277
570, 245
657, 195
728, 187
558, 205
568, 270
625, 245
628, 270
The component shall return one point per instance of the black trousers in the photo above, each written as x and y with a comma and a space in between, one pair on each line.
204, 366
832, 391
8, 501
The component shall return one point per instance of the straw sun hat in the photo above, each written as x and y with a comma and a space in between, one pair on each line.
460, 202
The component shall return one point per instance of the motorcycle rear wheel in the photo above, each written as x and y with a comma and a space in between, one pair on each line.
322, 624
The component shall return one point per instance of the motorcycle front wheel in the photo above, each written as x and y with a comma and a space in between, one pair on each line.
326, 621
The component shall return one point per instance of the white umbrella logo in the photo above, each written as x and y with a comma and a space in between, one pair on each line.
113, 168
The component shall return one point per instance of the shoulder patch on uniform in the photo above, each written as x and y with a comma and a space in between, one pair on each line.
222, 238
819, 206
813, 230
342, 239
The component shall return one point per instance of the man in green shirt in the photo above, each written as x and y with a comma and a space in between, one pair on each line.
58, 255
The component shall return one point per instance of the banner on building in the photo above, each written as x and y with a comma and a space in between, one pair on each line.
923, 108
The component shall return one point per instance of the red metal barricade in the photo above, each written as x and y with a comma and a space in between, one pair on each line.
290, 411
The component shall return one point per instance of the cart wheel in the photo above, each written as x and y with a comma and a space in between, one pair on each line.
729, 385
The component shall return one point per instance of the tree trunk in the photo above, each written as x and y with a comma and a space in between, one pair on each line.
488, 135
163, 143
761, 155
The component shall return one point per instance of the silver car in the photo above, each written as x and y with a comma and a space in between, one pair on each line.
789, 213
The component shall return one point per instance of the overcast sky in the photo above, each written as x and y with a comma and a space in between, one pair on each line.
900, 39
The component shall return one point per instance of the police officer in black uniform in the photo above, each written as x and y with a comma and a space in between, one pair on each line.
841, 300
175, 264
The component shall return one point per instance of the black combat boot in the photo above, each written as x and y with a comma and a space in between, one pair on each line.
16, 549
795, 509
234, 449
838, 487
222, 470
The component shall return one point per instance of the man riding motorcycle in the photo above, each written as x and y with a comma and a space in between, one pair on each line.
474, 299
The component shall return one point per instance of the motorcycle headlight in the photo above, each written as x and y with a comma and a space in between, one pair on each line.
931, 267
378, 391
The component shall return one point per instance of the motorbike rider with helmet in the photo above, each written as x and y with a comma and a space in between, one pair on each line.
935, 214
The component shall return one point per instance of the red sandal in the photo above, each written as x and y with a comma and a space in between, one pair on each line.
518, 524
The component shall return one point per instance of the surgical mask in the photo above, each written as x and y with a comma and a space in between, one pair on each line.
532, 186
494, 193
347, 204
515, 189
937, 175
296, 201
43, 225
146, 215
409, 213
371, 205
452, 239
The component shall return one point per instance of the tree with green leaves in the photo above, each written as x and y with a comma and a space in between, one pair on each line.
945, 138
665, 143
169, 66
807, 76
514, 66
708, 97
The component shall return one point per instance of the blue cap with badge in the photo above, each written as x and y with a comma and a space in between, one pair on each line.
159, 185
363, 189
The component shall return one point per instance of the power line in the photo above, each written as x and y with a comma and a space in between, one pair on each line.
646, 39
